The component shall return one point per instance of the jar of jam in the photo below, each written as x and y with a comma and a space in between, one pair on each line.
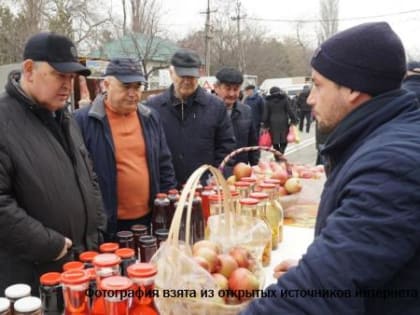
160, 213
248, 207
125, 239
148, 247
128, 257
75, 283
106, 265
92, 285
205, 203
197, 220
161, 236
117, 301
243, 188
29, 305
138, 230
87, 258
108, 248
73, 265
51, 293
173, 196
252, 182
4, 306
16, 291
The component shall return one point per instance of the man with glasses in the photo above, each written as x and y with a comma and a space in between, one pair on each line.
128, 147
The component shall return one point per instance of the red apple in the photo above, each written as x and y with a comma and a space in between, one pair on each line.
242, 279
281, 175
210, 256
306, 174
242, 256
293, 185
242, 170
227, 265
207, 244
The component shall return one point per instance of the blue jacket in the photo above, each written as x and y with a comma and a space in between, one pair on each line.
256, 102
245, 133
412, 83
368, 227
98, 138
198, 131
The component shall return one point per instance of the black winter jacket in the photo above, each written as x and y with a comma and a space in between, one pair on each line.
198, 131
46, 193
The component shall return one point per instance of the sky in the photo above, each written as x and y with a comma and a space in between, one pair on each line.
183, 16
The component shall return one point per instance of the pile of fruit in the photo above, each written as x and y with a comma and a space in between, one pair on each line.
289, 180
233, 272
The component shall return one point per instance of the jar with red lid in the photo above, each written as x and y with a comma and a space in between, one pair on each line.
252, 182
75, 283
115, 290
143, 277
128, 257
248, 206
208, 191
51, 293
216, 204
277, 204
92, 285
73, 265
108, 248
243, 188
106, 265
273, 213
87, 258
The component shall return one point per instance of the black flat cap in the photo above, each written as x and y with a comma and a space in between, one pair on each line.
187, 63
229, 76
126, 70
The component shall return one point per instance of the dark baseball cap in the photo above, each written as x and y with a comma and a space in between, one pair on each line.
187, 63
229, 76
126, 70
58, 50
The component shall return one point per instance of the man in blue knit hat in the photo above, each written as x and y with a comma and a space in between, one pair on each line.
365, 257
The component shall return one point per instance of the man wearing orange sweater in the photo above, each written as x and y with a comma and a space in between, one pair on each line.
128, 147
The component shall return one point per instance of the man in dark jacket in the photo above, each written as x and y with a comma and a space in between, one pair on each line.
412, 79
50, 203
197, 126
304, 109
366, 254
227, 87
256, 102
128, 146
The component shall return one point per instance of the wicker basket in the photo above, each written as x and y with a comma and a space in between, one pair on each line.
178, 271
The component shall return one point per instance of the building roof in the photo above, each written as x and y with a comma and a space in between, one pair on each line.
133, 45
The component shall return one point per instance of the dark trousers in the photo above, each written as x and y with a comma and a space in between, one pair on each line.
280, 147
302, 116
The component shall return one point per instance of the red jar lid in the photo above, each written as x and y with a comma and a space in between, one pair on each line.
116, 283
248, 201
248, 179
92, 273
88, 256
141, 270
242, 184
108, 247
234, 193
73, 265
74, 277
267, 186
272, 181
125, 252
216, 197
106, 260
50, 278
259, 195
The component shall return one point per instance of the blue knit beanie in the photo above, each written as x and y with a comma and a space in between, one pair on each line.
368, 58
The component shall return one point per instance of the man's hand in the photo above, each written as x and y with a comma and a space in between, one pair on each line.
67, 245
283, 267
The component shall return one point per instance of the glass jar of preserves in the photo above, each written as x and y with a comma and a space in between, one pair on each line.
273, 213
4, 306
161, 236
51, 293
125, 239
248, 207
117, 301
148, 247
160, 213
252, 182
87, 258
128, 257
138, 230
16, 291
276, 201
243, 188
108, 248
75, 283
73, 265
29, 305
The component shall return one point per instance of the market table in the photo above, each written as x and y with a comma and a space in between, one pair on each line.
295, 242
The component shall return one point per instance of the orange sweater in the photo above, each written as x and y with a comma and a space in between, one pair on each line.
131, 163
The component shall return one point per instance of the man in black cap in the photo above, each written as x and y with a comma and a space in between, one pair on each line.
197, 126
227, 87
412, 79
366, 254
50, 204
128, 147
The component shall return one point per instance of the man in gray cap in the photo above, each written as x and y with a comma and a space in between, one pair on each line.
365, 257
197, 126
50, 204
227, 87
128, 147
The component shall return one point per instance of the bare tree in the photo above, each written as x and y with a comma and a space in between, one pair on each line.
329, 19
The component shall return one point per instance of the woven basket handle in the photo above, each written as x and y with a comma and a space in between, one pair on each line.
187, 197
248, 149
